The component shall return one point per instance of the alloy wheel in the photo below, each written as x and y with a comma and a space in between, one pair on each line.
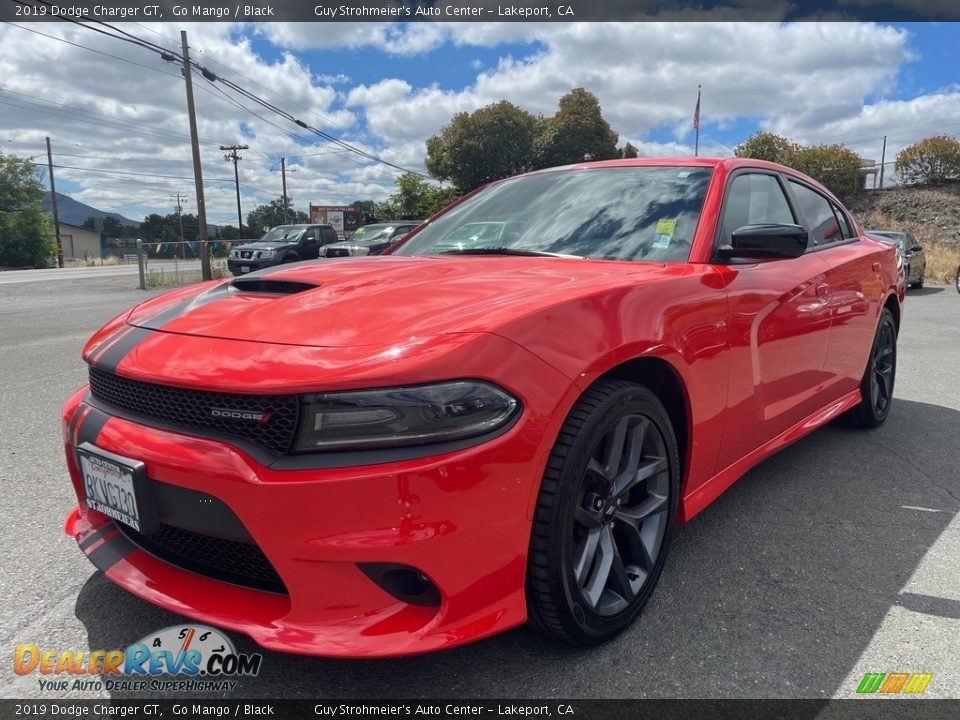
621, 517
881, 385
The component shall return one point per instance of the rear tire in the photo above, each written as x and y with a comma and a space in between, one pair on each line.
876, 387
604, 516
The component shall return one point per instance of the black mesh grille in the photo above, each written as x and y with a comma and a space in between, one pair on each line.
227, 560
186, 408
278, 287
338, 252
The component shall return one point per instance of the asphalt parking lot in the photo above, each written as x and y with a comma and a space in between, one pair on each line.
837, 557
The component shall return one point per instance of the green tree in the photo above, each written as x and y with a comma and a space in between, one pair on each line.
767, 146
493, 142
834, 166
274, 213
111, 226
415, 199
229, 232
933, 160
577, 132
26, 235
628, 151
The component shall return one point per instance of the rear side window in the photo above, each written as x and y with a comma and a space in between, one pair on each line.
846, 229
818, 212
753, 199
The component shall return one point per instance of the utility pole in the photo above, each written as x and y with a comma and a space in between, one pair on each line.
53, 206
197, 170
883, 157
179, 207
283, 174
232, 155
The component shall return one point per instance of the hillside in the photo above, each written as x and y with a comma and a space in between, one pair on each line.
930, 213
74, 212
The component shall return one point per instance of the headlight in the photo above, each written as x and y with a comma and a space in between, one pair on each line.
413, 415
359, 250
267, 253
234, 253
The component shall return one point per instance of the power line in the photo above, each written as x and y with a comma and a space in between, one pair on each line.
211, 76
210, 58
89, 49
75, 113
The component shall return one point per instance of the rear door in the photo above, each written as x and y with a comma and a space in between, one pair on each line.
856, 288
779, 322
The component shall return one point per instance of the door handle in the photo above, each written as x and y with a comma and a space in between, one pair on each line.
876, 268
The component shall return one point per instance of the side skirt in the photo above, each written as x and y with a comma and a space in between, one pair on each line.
709, 491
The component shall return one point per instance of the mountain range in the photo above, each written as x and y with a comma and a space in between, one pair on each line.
74, 212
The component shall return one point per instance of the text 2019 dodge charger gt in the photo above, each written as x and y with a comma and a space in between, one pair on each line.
402, 453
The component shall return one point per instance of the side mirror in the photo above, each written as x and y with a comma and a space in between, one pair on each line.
766, 241
916, 248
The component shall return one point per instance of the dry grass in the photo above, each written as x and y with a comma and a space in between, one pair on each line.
943, 258
161, 279
98, 262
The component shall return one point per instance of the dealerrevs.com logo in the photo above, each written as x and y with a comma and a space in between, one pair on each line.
200, 658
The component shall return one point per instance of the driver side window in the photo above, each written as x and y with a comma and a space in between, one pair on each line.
752, 199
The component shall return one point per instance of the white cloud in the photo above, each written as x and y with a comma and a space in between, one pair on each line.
807, 81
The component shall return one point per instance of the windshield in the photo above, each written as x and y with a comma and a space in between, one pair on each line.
383, 234
283, 232
897, 238
619, 213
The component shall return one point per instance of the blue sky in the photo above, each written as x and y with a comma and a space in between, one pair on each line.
387, 88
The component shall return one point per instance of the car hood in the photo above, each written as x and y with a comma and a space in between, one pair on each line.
265, 245
383, 300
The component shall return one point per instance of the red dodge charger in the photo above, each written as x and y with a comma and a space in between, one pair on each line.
502, 419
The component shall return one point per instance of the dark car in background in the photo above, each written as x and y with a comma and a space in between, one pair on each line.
370, 239
914, 261
282, 244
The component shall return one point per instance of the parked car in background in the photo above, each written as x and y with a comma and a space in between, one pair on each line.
914, 261
282, 244
370, 239
402, 453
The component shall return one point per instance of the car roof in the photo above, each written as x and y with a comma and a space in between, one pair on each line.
727, 163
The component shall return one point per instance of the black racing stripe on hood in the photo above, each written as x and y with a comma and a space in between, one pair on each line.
156, 322
115, 354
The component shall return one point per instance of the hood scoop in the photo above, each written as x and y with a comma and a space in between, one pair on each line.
271, 287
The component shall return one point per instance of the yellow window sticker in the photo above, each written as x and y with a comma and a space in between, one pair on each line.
666, 226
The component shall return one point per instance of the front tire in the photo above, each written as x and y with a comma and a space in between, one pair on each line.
604, 516
876, 387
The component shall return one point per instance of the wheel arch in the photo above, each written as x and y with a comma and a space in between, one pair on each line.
893, 305
661, 378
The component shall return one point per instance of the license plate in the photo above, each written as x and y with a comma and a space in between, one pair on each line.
244, 268
109, 484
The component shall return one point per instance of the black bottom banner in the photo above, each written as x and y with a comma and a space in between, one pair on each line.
865, 709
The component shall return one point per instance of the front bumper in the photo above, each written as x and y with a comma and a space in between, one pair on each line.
236, 265
462, 519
